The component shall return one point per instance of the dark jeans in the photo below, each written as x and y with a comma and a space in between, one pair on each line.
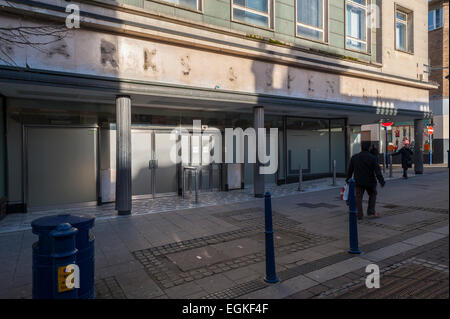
359, 193
405, 172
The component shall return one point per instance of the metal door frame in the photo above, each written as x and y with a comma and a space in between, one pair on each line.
25, 190
153, 131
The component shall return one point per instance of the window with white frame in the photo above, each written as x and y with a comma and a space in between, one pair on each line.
311, 19
191, 4
356, 25
435, 19
256, 12
401, 30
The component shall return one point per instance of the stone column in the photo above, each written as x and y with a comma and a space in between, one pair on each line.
418, 144
123, 155
258, 179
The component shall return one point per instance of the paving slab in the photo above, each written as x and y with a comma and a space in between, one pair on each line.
424, 239
282, 289
338, 269
388, 251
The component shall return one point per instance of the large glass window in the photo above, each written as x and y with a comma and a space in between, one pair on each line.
308, 142
255, 12
435, 19
191, 4
310, 19
337, 144
356, 25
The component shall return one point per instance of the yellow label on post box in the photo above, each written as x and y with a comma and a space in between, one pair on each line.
62, 277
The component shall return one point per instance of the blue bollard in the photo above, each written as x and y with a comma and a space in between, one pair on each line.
63, 254
271, 276
353, 220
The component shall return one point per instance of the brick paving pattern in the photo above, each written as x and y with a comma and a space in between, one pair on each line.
420, 273
166, 274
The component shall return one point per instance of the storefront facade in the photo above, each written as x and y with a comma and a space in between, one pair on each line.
84, 119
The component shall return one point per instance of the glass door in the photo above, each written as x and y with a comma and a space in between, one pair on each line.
141, 147
166, 171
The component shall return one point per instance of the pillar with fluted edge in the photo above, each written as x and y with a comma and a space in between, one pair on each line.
123, 155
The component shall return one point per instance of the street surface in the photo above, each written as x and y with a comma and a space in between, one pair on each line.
218, 251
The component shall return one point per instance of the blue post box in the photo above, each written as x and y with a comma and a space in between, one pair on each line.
44, 257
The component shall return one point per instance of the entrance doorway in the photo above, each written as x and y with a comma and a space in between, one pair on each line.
152, 145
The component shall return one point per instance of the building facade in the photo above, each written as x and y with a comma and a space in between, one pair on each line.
438, 51
89, 119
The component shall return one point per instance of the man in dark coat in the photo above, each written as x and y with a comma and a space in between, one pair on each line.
366, 170
406, 154
374, 151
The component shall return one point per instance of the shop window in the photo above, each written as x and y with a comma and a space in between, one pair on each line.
308, 144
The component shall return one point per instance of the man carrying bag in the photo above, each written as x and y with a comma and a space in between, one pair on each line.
366, 170
406, 154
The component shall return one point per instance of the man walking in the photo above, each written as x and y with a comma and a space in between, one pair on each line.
366, 170
406, 154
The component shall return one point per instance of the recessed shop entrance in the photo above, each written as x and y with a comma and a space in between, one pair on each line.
152, 146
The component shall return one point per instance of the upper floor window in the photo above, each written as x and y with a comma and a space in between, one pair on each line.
256, 12
311, 19
435, 19
191, 4
404, 40
356, 25
401, 30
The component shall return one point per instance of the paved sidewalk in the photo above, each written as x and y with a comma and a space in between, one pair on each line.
217, 251
16, 222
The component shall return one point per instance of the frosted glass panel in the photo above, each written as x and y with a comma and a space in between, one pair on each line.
338, 144
308, 143
166, 173
141, 155
62, 166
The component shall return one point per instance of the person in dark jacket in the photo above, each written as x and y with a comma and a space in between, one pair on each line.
366, 171
406, 154
374, 151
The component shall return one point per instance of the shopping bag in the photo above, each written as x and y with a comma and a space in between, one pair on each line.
344, 192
